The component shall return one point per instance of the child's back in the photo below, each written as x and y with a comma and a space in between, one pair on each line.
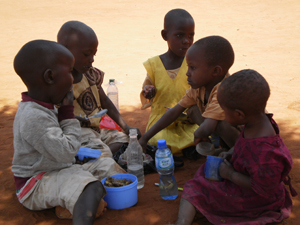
166, 80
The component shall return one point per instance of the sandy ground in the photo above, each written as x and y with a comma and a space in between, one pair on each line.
264, 34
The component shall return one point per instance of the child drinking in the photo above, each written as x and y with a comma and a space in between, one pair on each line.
166, 82
46, 140
253, 191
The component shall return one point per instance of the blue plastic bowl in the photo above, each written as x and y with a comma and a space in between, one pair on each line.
121, 197
211, 168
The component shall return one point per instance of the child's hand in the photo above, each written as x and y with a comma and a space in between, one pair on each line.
149, 91
226, 170
143, 143
68, 99
225, 155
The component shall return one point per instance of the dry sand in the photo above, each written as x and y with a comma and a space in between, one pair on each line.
264, 34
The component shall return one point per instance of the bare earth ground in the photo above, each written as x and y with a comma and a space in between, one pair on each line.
265, 36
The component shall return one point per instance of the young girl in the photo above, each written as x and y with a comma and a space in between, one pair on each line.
166, 80
253, 191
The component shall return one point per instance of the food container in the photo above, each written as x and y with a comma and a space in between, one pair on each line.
205, 148
121, 197
211, 168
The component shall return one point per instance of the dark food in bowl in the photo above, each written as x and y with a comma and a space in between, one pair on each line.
112, 182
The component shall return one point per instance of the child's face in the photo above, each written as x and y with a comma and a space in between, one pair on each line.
84, 51
63, 78
180, 36
199, 72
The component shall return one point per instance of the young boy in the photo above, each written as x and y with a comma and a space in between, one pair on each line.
166, 82
89, 96
209, 60
46, 140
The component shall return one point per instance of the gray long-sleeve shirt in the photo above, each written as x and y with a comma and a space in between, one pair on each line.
41, 142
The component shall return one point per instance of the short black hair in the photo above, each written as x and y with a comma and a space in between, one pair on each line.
217, 51
71, 28
246, 90
35, 57
174, 15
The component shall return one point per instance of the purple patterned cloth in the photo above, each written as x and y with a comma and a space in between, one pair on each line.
267, 161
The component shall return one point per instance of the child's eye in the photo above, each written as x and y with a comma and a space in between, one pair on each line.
192, 67
179, 35
191, 35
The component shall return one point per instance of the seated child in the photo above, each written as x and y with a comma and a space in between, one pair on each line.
46, 140
166, 82
208, 60
253, 191
89, 97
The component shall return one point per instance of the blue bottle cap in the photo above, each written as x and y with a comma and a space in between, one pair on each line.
161, 143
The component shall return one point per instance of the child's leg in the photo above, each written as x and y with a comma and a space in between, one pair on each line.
186, 213
87, 204
228, 133
114, 147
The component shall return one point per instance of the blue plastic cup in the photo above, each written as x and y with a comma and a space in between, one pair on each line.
211, 168
121, 197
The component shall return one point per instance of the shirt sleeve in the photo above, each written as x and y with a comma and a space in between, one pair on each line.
189, 99
213, 109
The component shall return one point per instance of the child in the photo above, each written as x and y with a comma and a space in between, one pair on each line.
208, 60
46, 140
166, 82
253, 191
89, 96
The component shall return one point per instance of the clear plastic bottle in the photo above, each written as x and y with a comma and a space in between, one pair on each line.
134, 153
164, 162
112, 93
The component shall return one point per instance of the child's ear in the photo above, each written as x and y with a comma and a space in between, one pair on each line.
240, 114
164, 34
48, 76
218, 70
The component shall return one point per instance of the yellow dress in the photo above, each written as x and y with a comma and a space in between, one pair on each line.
169, 92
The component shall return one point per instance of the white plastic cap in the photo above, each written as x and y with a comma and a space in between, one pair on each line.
132, 132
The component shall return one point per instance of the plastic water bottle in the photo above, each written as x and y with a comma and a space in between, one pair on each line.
164, 162
134, 154
112, 93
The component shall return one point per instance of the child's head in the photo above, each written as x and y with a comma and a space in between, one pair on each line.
244, 93
45, 68
178, 31
82, 41
209, 60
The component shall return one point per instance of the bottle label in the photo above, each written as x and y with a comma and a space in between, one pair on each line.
164, 163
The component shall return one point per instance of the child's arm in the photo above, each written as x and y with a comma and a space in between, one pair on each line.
113, 113
205, 130
227, 172
169, 117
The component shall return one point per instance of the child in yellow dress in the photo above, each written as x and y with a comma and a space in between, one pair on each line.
166, 81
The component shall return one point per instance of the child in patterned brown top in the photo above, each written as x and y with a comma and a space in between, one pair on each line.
89, 96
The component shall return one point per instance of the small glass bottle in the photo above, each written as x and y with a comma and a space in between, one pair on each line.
134, 154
